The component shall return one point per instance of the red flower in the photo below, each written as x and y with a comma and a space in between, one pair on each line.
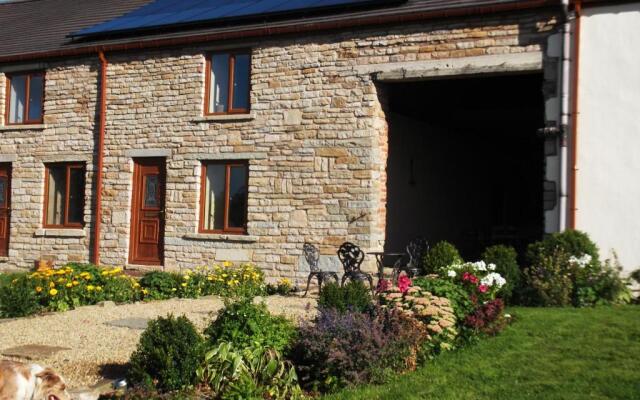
473, 279
466, 276
404, 283
383, 285
483, 288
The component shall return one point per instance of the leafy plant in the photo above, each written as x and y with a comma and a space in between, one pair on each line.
550, 280
18, 297
244, 324
635, 275
159, 285
599, 283
572, 242
350, 348
353, 296
488, 318
440, 256
505, 260
168, 354
283, 287
249, 373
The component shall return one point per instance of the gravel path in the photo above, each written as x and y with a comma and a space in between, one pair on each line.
97, 350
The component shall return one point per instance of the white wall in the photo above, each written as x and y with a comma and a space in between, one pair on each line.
608, 180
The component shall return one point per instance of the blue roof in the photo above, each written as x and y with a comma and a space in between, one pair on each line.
166, 13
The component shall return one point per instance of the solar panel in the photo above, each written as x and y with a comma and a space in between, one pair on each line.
164, 13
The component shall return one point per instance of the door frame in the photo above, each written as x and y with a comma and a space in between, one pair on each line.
136, 193
9, 169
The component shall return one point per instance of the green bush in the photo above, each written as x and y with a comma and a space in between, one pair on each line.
600, 283
549, 280
159, 285
440, 256
572, 242
245, 324
505, 259
635, 275
18, 297
168, 355
353, 296
254, 372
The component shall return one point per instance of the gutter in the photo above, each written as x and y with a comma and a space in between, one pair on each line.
564, 119
284, 29
100, 158
574, 115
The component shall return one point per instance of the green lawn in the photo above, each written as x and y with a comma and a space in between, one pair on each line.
545, 354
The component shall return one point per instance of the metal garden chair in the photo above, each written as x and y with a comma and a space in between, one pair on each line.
312, 255
351, 257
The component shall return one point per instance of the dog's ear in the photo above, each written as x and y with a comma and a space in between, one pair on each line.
52, 397
47, 375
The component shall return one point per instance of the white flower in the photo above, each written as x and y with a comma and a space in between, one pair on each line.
581, 262
491, 267
492, 279
479, 266
451, 273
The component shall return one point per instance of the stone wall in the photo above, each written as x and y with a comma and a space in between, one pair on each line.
315, 140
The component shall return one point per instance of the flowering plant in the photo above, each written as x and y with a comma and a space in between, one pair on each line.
478, 278
245, 280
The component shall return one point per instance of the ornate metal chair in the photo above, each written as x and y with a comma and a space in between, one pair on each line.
312, 255
416, 250
351, 257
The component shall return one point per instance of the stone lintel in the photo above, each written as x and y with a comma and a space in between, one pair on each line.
148, 153
220, 237
416, 70
65, 158
226, 156
8, 157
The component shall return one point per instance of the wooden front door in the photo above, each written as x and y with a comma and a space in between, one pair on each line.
5, 207
147, 212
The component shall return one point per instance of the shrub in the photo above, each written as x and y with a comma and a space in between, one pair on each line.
244, 324
350, 348
440, 256
283, 287
159, 285
249, 373
635, 275
168, 354
18, 297
549, 280
434, 312
353, 296
488, 318
598, 283
456, 294
572, 243
505, 260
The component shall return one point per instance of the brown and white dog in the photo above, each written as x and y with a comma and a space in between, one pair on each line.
30, 382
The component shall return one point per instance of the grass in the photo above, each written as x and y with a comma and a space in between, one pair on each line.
547, 353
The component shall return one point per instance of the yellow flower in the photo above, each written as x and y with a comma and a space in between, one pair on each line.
69, 284
184, 284
209, 278
173, 289
75, 283
104, 273
38, 289
99, 288
53, 292
136, 285
90, 288
52, 284
186, 277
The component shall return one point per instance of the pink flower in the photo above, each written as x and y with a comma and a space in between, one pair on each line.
473, 279
383, 285
466, 276
483, 288
404, 283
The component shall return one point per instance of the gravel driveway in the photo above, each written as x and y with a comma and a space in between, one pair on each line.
97, 350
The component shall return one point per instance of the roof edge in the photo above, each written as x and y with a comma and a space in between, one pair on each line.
289, 29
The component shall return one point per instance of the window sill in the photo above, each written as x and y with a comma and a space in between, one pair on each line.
225, 117
25, 127
221, 237
61, 232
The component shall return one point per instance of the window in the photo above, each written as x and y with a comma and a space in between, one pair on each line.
64, 196
223, 197
25, 93
227, 87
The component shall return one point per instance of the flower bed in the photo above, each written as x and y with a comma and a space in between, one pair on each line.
75, 285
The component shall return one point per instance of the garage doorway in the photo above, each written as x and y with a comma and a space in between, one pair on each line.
465, 163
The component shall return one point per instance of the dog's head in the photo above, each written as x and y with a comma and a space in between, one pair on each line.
51, 386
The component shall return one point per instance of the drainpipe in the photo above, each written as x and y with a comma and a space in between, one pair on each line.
102, 123
574, 115
564, 119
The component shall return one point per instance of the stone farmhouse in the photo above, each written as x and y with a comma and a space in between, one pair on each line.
157, 133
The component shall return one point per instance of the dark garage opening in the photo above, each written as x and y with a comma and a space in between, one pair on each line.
465, 164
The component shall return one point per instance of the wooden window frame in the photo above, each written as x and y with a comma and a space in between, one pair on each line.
203, 196
207, 93
25, 117
68, 167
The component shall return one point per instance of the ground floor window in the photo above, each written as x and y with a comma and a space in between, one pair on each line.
64, 195
223, 197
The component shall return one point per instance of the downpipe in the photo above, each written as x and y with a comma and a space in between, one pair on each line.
564, 119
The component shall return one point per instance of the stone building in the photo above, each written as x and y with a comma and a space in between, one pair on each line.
242, 138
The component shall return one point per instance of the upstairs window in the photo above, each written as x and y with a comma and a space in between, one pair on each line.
223, 197
227, 83
25, 98
64, 195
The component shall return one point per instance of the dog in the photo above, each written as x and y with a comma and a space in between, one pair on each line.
20, 381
